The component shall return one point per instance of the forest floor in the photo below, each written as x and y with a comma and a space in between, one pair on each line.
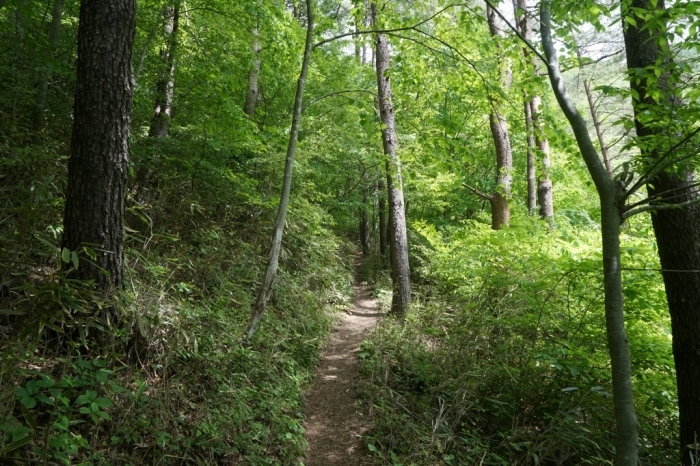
333, 422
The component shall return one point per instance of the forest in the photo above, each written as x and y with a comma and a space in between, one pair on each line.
191, 192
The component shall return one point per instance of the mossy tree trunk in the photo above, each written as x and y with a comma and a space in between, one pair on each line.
398, 243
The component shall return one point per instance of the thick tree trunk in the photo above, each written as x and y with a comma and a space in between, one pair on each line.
677, 230
45, 74
500, 211
273, 259
98, 164
165, 87
400, 271
611, 193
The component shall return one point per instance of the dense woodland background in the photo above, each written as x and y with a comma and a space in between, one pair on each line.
503, 355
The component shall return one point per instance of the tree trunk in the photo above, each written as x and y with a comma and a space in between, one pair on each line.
364, 217
611, 193
544, 182
98, 164
523, 26
677, 230
594, 114
45, 74
251, 99
165, 87
401, 298
500, 212
531, 177
273, 259
382, 220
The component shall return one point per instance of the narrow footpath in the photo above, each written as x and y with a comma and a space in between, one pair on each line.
333, 426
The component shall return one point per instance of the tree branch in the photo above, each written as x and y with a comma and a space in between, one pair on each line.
382, 31
657, 208
477, 192
332, 94
650, 199
656, 168
517, 33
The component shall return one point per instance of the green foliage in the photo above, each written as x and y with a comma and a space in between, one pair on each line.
503, 361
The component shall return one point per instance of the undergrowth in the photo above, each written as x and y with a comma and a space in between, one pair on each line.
173, 382
502, 359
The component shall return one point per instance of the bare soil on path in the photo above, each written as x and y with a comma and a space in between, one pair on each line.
333, 425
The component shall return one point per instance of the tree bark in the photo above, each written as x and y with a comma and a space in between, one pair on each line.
523, 26
165, 87
677, 230
382, 219
531, 176
498, 122
364, 217
545, 197
45, 74
400, 271
98, 164
273, 259
251, 99
612, 194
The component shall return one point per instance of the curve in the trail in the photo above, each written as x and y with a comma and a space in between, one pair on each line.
333, 426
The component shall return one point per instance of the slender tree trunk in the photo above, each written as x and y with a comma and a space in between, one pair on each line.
273, 259
165, 87
523, 26
594, 114
98, 164
401, 298
45, 74
545, 198
364, 218
612, 195
544, 183
677, 230
252, 95
147, 45
531, 177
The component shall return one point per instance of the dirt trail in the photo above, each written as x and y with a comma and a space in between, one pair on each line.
333, 426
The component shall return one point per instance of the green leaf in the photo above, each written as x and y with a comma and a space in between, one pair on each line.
91, 254
16, 444
65, 255
103, 402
